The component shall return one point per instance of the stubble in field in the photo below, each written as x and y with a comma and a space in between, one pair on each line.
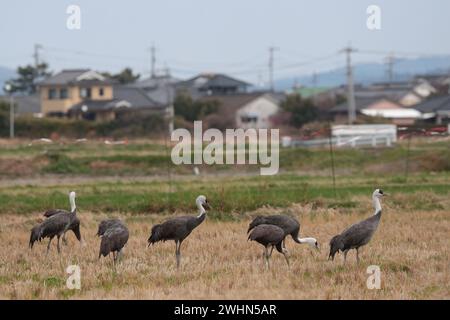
410, 247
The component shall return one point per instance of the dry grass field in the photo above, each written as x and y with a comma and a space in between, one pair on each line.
411, 247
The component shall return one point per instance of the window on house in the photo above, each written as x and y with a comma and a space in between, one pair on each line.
51, 94
85, 92
101, 92
248, 119
63, 94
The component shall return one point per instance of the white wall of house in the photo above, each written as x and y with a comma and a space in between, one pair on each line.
424, 89
410, 99
256, 114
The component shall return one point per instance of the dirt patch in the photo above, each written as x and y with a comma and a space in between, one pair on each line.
21, 167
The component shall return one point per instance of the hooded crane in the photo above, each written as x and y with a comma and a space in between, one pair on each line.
114, 235
74, 226
56, 225
289, 225
358, 234
106, 224
269, 236
179, 228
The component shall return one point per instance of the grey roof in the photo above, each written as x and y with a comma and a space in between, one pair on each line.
360, 103
25, 104
439, 103
155, 82
160, 89
207, 80
68, 76
63, 77
136, 97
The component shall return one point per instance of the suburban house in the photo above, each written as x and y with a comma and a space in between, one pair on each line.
405, 93
249, 110
87, 94
436, 109
125, 101
208, 84
381, 107
63, 90
160, 89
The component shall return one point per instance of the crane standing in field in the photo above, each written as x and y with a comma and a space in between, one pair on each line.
358, 234
55, 225
179, 228
106, 224
289, 225
74, 226
269, 236
114, 235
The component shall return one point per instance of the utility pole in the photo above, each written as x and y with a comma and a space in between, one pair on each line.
37, 47
153, 60
351, 90
390, 60
11, 115
9, 89
271, 65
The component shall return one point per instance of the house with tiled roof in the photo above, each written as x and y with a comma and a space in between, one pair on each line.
87, 94
247, 110
208, 84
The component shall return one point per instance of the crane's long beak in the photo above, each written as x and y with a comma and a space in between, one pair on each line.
206, 206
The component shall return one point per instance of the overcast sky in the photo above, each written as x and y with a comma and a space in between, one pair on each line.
230, 36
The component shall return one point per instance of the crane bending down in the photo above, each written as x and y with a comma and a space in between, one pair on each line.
56, 225
289, 225
269, 236
359, 234
114, 235
74, 226
179, 228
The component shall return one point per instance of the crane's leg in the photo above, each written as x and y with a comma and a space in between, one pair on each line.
115, 257
357, 255
48, 245
345, 255
285, 254
266, 255
64, 240
271, 250
178, 253
57, 244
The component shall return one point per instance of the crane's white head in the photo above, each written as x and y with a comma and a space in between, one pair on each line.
202, 203
312, 242
72, 196
378, 193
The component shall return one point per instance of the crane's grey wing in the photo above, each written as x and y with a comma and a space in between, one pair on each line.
55, 225
75, 227
285, 222
114, 239
359, 234
265, 233
106, 224
53, 212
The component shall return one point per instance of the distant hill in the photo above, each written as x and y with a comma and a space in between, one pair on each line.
404, 69
5, 74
